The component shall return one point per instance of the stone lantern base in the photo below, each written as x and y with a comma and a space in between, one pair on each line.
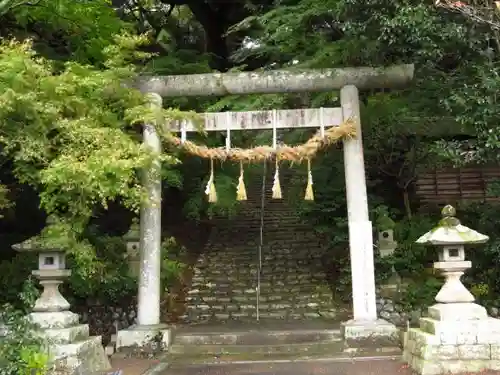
455, 338
69, 344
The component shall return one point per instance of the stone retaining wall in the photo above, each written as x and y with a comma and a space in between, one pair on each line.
393, 312
103, 318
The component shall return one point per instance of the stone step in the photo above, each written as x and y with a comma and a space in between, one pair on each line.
229, 291
267, 272
304, 244
245, 315
301, 268
278, 316
250, 289
264, 304
238, 264
249, 252
266, 295
218, 350
280, 259
241, 253
236, 260
277, 226
269, 267
279, 246
253, 223
268, 314
271, 282
247, 233
179, 363
246, 306
253, 214
297, 241
297, 351
269, 234
258, 337
270, 251
289, 258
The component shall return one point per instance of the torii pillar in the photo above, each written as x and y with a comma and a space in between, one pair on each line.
365, 325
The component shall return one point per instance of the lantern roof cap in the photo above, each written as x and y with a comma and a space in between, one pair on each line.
450, 231
51, 238
134, 232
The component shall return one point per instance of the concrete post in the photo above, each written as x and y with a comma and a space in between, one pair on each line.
148, 309
360, 226
148, 328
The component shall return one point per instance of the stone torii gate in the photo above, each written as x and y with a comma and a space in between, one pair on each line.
365, 322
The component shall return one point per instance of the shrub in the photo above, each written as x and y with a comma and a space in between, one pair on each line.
172, 265
21, 349
15, 277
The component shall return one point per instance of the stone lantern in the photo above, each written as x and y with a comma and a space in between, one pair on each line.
51, 272
386, 243
132, 242
457, 336
386, 247
451, 237
69, 344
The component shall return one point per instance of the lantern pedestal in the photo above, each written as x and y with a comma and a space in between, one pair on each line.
455, 338
69, 343
453, 291
51, 299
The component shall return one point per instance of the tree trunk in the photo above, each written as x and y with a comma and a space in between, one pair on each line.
407, 204
215, 27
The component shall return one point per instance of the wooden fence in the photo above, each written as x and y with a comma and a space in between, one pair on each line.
453, 185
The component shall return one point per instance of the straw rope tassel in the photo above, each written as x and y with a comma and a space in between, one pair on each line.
276, 183
309, 189
241, 191
210, 189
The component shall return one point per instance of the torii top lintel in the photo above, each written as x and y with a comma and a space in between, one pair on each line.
277, 81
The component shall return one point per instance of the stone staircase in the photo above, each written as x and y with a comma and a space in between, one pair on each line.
292, 274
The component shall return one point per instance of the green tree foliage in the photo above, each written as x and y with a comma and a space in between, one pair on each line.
63, 29
68, 131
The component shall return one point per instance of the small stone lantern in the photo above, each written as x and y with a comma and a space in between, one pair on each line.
451, 236
51, 272
386, 243
386, 247
132, 240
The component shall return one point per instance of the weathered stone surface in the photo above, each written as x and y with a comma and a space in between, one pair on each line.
104, 319
455, 345
142, 336
374, 334
293, 278
82, 357
448, 312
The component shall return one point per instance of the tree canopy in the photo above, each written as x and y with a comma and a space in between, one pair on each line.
67, 120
